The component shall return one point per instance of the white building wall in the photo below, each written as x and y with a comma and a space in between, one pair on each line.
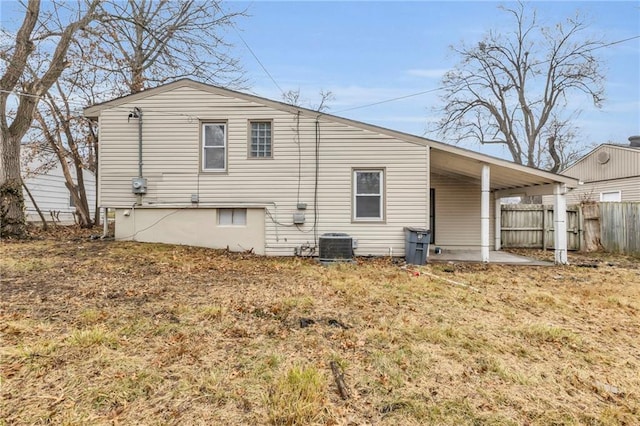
51, 194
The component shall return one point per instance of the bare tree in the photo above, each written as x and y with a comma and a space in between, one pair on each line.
149, 42
136, 45
514, 89
65, 134
35, 31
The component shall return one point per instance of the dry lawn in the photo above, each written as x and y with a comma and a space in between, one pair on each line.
96, 332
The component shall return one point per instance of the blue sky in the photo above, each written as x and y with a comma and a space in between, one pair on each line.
365, 52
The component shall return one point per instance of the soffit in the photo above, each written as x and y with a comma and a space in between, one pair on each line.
501, 177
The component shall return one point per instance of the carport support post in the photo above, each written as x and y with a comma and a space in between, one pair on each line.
484, 214
560, 223
498, 218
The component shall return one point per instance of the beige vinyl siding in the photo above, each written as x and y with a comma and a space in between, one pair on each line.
620, 173
629, 189
623, 162
171, 156
457, 223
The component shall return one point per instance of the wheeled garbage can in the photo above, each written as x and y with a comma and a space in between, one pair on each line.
416, 245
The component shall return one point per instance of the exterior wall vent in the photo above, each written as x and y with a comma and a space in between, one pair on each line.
603, 157
634, 141
335, 247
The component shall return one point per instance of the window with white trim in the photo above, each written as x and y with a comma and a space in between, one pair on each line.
232, 217
214, 147
611, 196
368, 195
260, 139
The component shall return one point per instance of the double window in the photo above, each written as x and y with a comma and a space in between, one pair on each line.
368, 195
215, 141
260, 139
214, 147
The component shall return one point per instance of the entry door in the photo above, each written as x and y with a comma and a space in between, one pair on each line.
432, 214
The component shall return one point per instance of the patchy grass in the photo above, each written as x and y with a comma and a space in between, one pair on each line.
96, 332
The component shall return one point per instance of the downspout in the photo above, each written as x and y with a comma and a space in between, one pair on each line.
138, 112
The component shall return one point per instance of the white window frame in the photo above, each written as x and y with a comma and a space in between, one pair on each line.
604, 193
381, 194
204, 148
260, 151
238, 216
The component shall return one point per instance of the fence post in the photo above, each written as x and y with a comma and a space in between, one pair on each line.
544, 227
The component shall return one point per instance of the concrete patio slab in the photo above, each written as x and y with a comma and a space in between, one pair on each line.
474, 256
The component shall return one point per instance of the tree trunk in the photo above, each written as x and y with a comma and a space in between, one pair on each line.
12, 218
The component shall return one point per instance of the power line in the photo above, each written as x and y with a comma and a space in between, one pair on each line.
392, 99
29, 95
258, 60
424, 92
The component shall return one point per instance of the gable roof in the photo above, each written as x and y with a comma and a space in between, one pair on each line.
631, 149
524, 177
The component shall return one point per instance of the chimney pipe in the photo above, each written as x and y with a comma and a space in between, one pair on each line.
634, 141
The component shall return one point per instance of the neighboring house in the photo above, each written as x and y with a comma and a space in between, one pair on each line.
47, 186
190, 163
608, 173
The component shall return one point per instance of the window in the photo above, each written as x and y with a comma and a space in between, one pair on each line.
260, 139
214, 147
72, 202
232, 216
615, 196
368, 195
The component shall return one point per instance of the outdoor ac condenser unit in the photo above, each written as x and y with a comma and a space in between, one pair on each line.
335, 247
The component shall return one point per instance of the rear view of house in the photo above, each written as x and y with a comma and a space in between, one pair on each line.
190, 163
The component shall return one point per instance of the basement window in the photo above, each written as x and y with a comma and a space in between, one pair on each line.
236, 217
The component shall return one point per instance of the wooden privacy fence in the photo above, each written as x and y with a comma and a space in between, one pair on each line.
615, 227
531, 226
620, 227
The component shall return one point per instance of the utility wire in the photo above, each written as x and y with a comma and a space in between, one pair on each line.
424, 92
258, 60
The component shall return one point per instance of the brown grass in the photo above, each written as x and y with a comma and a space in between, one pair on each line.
96, 332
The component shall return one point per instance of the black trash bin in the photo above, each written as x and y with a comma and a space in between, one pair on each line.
416, 245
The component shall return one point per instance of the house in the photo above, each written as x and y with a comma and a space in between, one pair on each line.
47, 186
190, 163
607, 173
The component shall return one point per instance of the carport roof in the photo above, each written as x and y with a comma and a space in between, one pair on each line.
448, 160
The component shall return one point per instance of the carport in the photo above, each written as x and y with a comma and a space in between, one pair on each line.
471, 186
